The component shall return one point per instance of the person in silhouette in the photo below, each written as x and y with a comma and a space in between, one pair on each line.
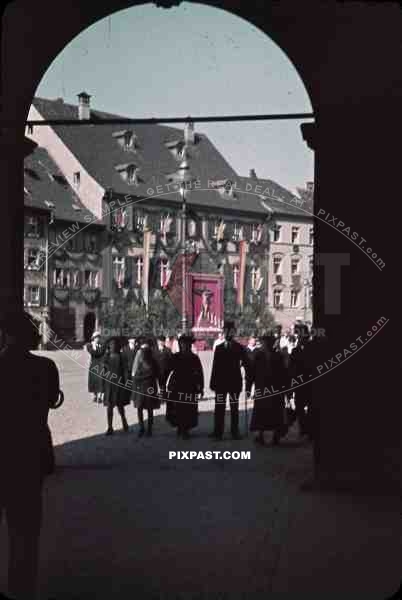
114, 375
269, 404
129, 351
145, 386
299, 364
96, 350
24, 446
251, 350
163, 356
227, 380
185, 387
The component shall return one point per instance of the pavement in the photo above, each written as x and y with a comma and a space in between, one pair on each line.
122, 520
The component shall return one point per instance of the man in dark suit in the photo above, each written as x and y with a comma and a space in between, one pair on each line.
252, 351
163, 357
227, 380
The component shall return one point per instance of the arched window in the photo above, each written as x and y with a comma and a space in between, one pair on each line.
294, 298
277, 263
294, 266
118, 271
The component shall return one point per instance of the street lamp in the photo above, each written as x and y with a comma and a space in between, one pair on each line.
183, 262
184, 178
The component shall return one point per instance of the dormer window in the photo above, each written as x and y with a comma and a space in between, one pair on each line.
132, 176
77, 178
129, 172
126, 139
228, 188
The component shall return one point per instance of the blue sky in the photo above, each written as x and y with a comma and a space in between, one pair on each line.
193, 60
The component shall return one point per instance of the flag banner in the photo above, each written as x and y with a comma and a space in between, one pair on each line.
145, 270
242, 272
175, 283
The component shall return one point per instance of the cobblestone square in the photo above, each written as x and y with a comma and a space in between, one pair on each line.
124, 521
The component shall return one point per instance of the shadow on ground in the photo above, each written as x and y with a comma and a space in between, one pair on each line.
124, 521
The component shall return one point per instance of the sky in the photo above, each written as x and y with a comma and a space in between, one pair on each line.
193, 60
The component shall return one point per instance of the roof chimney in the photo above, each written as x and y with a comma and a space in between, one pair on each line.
189, 136
252, 174
84, 106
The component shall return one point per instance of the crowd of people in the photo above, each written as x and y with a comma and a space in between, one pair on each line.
148, 373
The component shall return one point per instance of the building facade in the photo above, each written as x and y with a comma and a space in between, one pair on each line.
152, 199
62, 259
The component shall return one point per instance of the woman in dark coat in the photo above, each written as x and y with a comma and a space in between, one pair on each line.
185, 385
97, 351
129, 351
114, 377
145, 376
269, 405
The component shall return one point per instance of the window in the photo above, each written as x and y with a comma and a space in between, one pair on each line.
311, 266
295, 235
236, 271
294, 266
32, 258
228, 187
91, 242
32, 226
277, 297
119, 218
61, 278
139, 264
139, 221
132, 176
191, 228
77, 178
237, 232
277, 264
254, 278
128, 140
277, 233
33, 296
30, 129
165, 272
256, 233
311, 236
76, 279
91, 279
294, 298
118, 271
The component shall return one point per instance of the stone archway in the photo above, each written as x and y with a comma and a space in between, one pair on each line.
356, 99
